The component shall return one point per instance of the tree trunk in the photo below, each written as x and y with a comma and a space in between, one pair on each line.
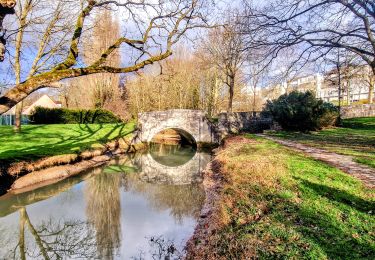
348, 95
254, 100
371, 86
339, 82
18, 117
231, 94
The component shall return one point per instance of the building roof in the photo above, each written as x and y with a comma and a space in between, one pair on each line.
43, 101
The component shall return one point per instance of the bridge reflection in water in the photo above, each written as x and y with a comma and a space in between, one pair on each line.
127, 208
168, 164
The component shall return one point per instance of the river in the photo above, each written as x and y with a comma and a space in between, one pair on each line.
142, 206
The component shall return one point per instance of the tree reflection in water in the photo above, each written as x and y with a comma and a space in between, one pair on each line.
103, 211
61, 236
53, 240
161, 248
182, 201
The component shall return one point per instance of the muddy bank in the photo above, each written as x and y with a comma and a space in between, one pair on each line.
27, 175
199, 245
57, 173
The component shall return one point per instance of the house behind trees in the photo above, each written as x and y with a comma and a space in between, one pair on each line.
8, 118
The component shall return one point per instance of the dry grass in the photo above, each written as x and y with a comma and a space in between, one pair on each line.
242, 204
274, 203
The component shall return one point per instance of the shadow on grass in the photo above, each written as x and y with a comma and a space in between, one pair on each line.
64, 145
337, 234
340, 196
360, 124
304, 230
332, 237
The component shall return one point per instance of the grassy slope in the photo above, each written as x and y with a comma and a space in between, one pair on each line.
356, 138
279, 204
37, 141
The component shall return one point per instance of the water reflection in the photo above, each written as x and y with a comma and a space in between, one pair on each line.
171, 155
106, 213
103, 211
187, 165
49, 240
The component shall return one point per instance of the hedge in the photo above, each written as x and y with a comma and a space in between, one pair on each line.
43, 115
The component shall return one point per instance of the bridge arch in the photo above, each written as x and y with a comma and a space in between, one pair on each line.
184, 133
188, 122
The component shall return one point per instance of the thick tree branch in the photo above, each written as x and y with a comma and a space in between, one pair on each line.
6, 7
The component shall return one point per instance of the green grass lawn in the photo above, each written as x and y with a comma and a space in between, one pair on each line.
37, 141
356, 138
277, 204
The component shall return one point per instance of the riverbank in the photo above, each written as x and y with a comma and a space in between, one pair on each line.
266, 201
39, 141
41, 147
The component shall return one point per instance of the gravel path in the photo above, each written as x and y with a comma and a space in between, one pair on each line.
342, 162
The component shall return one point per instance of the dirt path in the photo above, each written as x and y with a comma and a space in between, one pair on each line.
342, 162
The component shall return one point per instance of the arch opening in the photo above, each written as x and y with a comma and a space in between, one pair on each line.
174, 136
173, 147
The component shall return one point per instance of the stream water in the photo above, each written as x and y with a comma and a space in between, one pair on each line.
143, 206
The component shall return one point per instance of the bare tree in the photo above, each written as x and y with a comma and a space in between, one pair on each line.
102, 90
159, 25
369, 78
255, 73
314, 27
224, 48
175, 83
31, 54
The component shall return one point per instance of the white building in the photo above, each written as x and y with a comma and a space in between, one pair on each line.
354, 85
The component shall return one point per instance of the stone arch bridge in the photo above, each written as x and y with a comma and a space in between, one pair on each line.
189, 123
194, 124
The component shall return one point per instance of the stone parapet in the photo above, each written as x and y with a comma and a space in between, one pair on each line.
234, 123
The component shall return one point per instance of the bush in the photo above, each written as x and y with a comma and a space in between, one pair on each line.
301, 111
43, 115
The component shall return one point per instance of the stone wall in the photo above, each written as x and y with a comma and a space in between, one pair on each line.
234, 123
367, 110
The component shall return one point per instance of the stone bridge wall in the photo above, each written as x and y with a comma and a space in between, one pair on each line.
234, 123
366, 110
